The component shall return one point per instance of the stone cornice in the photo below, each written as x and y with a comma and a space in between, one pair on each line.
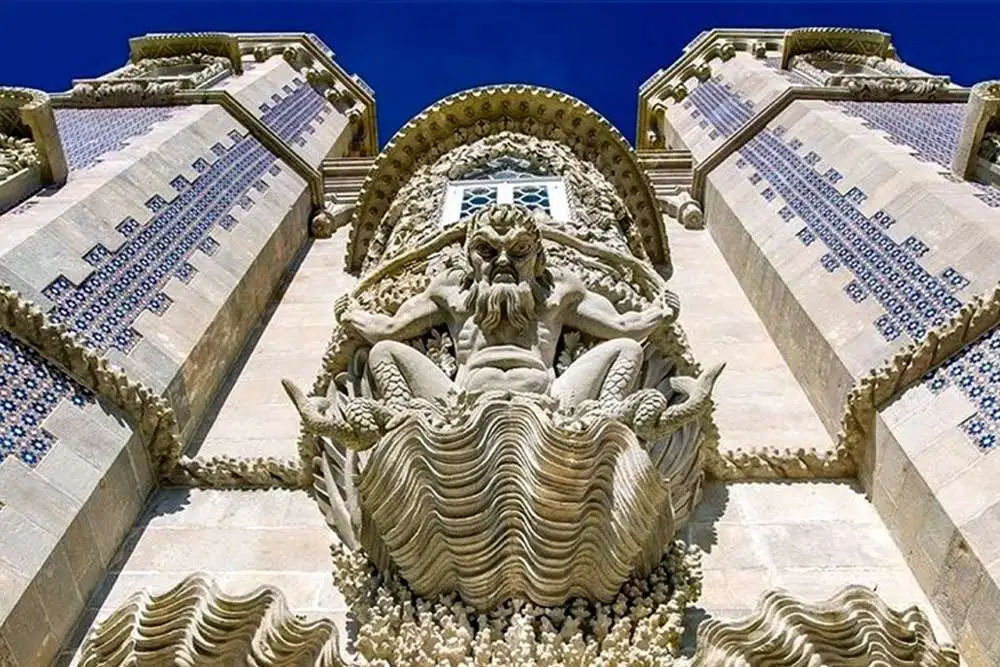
137, 93
359, 90
470, 115
766, 114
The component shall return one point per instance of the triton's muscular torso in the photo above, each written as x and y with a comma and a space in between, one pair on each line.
516, 361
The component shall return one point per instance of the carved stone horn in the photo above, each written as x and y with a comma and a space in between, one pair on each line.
699, 396
317, 413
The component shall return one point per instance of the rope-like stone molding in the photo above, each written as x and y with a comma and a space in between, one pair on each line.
150, 413
231, 472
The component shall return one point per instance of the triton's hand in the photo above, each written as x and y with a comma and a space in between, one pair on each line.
370, 326
669, 304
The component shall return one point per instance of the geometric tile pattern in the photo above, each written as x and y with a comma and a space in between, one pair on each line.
30, 389
475, 197
913, 299
124, 283
533, 197
931, 130
301, 105
976, 371
102, 309
88, 134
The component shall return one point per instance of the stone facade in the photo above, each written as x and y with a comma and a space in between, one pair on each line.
182, 233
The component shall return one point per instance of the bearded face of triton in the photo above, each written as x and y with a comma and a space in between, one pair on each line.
508, 275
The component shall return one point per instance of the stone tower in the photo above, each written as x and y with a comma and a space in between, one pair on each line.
501, 334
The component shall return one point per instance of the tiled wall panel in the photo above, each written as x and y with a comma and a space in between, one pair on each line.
915, 285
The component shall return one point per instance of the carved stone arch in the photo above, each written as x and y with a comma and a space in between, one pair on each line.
599, 212
474, 114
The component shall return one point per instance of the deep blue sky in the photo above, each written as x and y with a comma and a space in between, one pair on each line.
413, 54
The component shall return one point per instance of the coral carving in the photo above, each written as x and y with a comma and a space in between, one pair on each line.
855, 627
640, 627
196, 624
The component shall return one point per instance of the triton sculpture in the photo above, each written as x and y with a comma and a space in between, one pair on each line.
534, 484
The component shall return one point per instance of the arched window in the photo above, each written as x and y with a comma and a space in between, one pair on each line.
505, 180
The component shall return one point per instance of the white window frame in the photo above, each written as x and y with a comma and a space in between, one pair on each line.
558, 203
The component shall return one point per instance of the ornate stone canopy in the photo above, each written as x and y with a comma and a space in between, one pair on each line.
473, 114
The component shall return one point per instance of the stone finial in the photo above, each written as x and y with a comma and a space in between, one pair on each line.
321, 225
982, 110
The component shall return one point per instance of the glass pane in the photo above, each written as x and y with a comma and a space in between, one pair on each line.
533, 196
476, 197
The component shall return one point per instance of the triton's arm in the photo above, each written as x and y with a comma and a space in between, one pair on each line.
414, 317
595, 315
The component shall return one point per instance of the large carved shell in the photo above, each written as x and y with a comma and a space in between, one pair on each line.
494, 500
855, 628
195, 624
